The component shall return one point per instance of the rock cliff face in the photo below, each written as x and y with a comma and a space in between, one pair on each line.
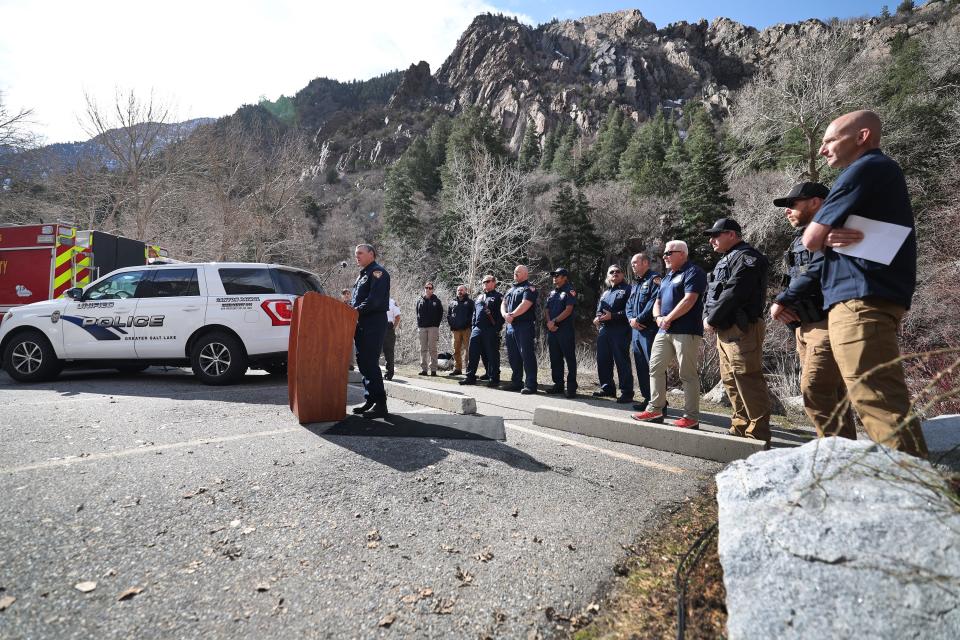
573, 70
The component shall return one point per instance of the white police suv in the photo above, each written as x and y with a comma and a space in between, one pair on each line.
220, 318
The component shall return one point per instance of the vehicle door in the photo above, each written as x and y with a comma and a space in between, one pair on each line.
170, 308
100, 324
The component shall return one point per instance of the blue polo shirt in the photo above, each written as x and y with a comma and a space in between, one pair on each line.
675, 285
873, 187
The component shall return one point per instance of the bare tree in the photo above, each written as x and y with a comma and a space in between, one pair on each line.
813, 81
139, 140
14, 127
486, 195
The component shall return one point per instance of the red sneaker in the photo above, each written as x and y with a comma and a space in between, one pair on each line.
649, 416
686, 423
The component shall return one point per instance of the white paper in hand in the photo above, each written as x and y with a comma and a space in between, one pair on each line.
881, 240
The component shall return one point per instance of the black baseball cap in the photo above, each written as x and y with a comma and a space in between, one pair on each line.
721, 225
802, 191
560, 271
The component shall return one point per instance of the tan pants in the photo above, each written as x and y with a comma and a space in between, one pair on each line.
461, 340
741, 359
429, 336
821, 383
685, 349
863, 334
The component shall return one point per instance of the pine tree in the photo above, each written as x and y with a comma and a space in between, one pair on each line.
703, 186
612, 141
576, 245
529, 157
474, 126
550, 143
564, 162
399, 219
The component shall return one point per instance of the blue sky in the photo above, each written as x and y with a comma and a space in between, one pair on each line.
756, 14
206, 58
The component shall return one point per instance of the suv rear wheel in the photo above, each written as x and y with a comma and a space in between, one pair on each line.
218, 358
29, 357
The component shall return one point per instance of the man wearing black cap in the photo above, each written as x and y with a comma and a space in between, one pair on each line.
560, 337
734, 309
800, 307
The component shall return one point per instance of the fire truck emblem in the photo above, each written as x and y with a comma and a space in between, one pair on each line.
23, 292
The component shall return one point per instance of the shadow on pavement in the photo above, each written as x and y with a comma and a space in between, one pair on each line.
158, 382
407, 443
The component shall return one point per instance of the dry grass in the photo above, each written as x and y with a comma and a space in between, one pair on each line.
643, 602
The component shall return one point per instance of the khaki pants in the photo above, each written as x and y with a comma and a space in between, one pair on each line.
429, 336
741, 356
461, 341
684, 348
863, 334
821, 383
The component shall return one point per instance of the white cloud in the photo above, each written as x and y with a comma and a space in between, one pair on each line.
208, 57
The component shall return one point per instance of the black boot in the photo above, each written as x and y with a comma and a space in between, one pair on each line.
366, 406
378, 411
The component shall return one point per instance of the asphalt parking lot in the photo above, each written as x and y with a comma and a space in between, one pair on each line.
210, 512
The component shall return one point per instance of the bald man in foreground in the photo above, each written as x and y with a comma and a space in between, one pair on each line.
866, 299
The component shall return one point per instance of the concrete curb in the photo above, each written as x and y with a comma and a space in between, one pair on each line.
699, 444
452, 402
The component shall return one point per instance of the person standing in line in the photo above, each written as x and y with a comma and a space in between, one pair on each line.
679, 315
371, 299
519, 309
613, 341
734, 310
485, 335
459, 318
390, 338
866, 300
561, 341
800, 307
429, 317
643, 295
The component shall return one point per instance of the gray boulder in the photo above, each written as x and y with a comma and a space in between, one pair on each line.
838, 539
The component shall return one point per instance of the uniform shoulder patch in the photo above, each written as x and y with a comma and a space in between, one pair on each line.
657, 279
377, 274
534, 289
573, 292
749, 260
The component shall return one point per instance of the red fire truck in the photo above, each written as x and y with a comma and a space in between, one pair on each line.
41, 261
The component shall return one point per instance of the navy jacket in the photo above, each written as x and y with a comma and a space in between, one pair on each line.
429, 311
371, 291
643, 295
460, 313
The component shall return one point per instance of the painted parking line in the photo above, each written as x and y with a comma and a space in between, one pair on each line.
589, 447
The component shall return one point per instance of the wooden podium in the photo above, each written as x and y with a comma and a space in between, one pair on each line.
321, 341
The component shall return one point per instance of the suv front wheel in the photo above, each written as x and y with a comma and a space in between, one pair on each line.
218, 358
29, 357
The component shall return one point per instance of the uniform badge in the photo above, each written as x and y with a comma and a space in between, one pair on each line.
656, 279
377, 274
749, 260
678, 279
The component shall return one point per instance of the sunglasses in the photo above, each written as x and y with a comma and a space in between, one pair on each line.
428, 287
667, 254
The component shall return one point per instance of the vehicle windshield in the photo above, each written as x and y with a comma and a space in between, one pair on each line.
119, 286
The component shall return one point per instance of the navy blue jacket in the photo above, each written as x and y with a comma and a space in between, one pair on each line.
558, 301
460, 313
643, 295
371, 292
519, 292
486, 310
615, 301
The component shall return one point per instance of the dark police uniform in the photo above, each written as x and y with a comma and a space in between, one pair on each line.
734, 307
521, 336
371, 299
643, 295
613, 342
562, 343
821, 384
485, 337
867, 300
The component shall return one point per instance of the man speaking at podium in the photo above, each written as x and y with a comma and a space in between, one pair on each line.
371, 299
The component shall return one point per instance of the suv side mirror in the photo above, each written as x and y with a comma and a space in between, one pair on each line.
75, 294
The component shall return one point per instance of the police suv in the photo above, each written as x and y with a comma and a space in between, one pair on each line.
219, 318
